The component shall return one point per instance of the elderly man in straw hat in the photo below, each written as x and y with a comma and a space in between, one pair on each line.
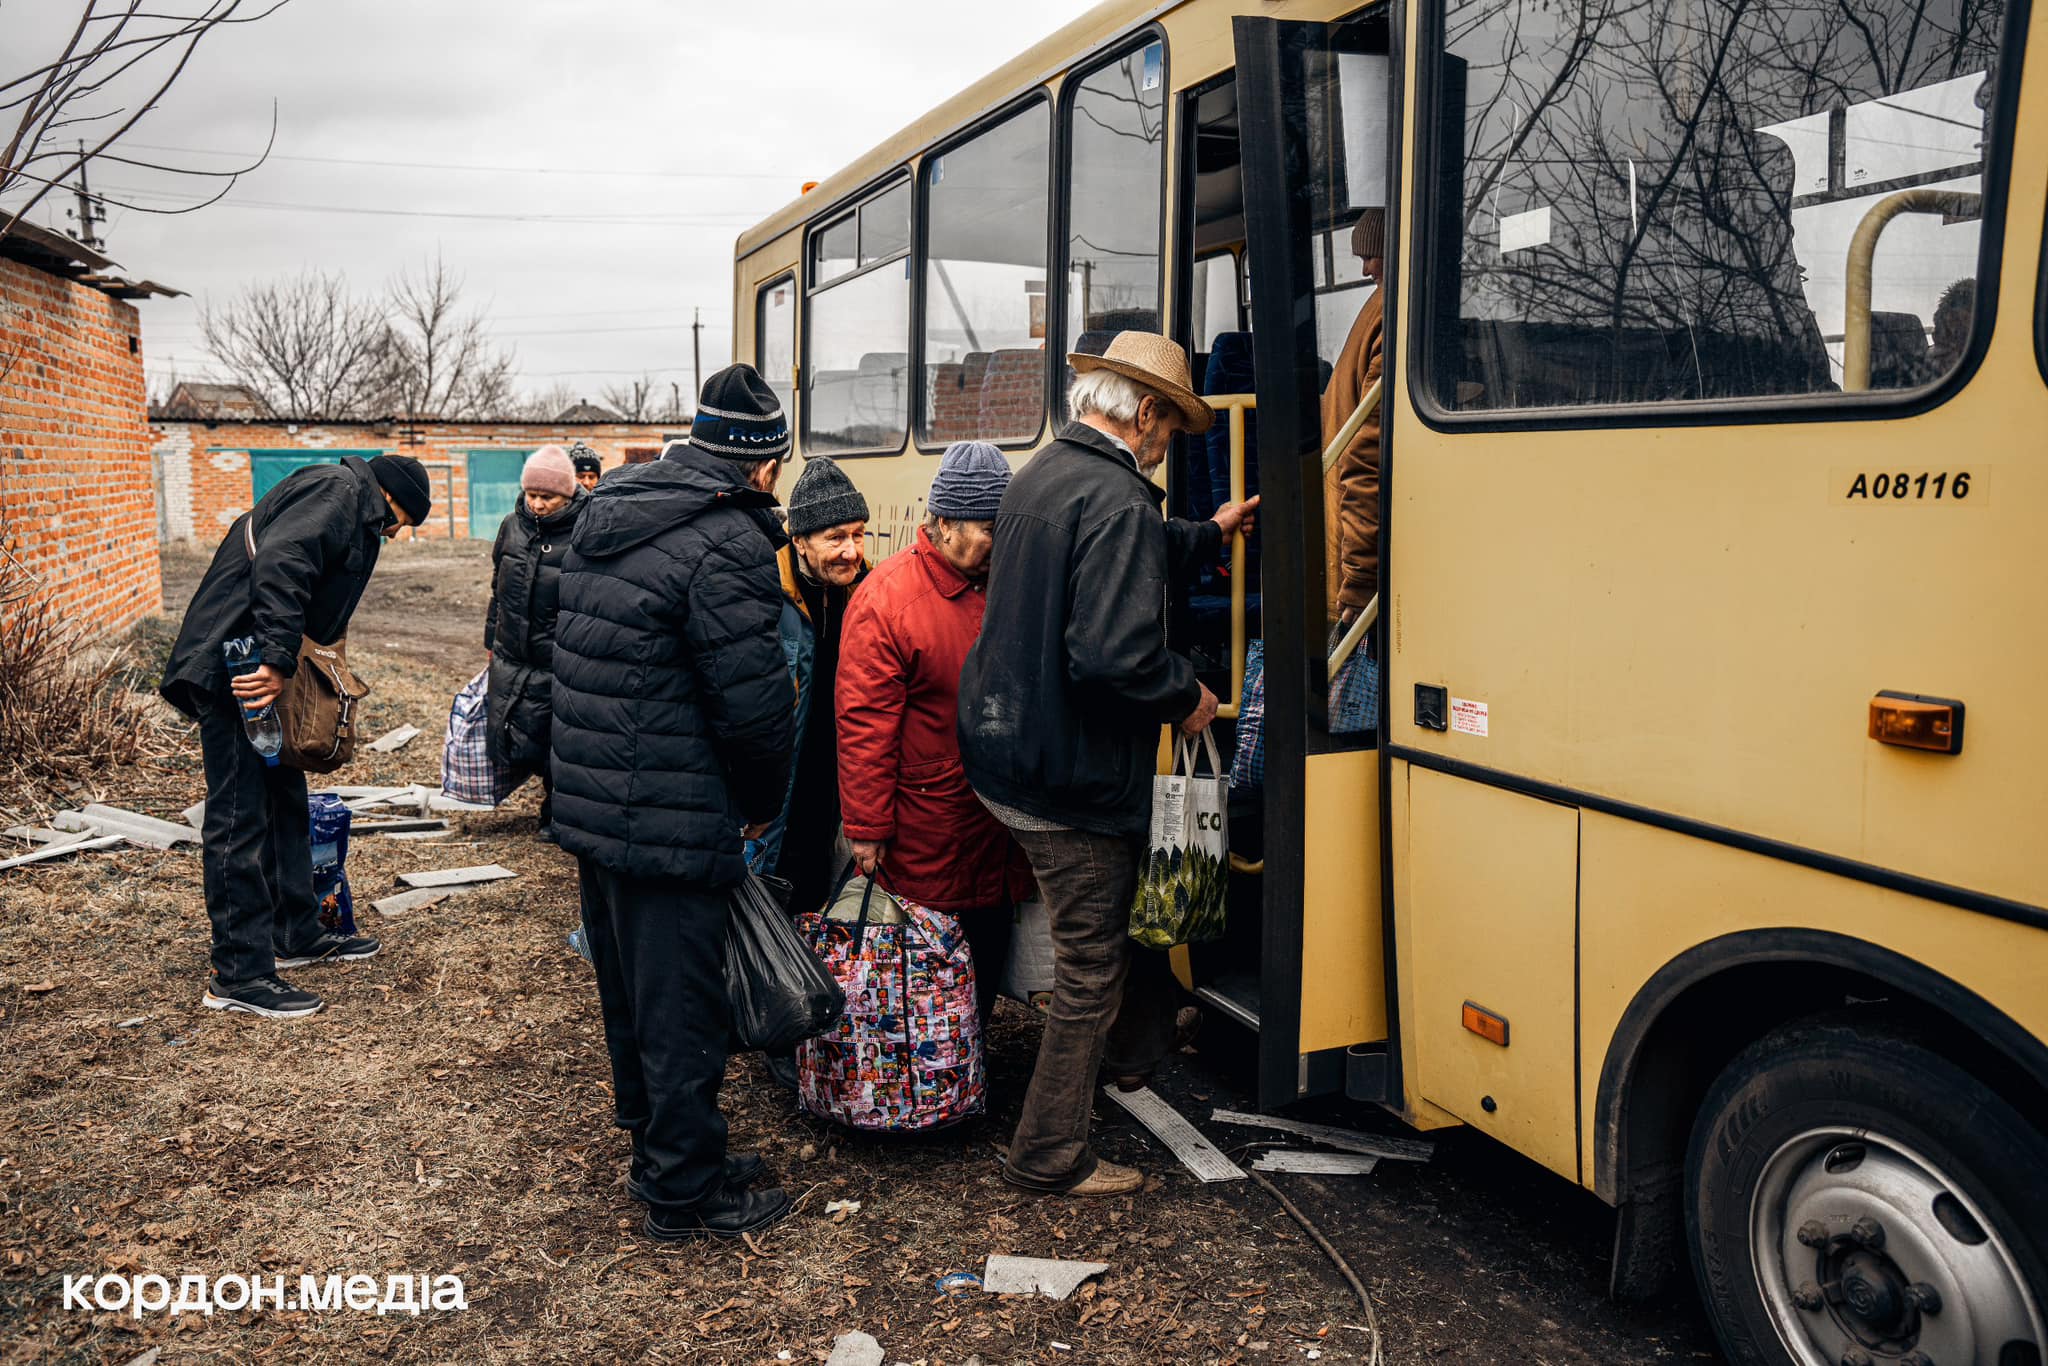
1061, 702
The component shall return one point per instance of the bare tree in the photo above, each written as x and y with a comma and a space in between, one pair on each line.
640, 400
307, 347
74, 95
440, 360
542, 405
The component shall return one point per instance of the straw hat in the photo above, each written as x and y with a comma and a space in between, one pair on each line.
1155, 362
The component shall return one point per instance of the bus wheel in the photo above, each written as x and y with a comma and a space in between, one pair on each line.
1855, 1199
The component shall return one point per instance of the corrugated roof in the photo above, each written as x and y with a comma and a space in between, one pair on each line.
72, 259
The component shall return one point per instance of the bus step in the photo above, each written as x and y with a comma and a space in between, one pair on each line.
1236, 996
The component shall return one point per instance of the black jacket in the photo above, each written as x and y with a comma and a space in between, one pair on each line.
672, 703
317, 536
519, 629
1063, 695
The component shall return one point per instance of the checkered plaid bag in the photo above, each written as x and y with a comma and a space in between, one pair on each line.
467, 773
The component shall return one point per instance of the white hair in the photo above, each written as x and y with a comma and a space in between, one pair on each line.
1105, 393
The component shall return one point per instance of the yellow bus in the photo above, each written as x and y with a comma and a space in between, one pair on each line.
1714, 425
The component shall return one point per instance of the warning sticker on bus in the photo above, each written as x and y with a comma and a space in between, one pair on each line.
1468, 717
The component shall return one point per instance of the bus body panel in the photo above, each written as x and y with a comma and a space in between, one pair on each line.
1343, 944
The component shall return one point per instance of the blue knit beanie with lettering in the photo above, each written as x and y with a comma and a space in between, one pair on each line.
739, 418
970, 482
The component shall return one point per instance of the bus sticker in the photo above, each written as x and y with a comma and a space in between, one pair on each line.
1468, 717
1907, 486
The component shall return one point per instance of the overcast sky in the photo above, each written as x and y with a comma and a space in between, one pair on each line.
639, 136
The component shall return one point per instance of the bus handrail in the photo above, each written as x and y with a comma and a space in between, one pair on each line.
1234, 407
1352, 635
1862, 254
1367, 401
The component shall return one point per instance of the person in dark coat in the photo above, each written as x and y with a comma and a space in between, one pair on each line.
825, 560
671, 739
1061, 701
589, 468
519, 625
290, 569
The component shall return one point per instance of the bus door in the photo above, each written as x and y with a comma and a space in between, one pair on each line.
1312, 108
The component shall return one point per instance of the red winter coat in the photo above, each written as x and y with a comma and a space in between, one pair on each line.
901, 782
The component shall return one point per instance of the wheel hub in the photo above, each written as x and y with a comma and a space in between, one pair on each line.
1866, 1252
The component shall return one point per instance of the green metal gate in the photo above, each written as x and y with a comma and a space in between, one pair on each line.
493, 489
267, 469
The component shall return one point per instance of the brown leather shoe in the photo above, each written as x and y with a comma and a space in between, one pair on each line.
1109, 1179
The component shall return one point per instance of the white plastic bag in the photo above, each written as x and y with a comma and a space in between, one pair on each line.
1028, 976
1186, 878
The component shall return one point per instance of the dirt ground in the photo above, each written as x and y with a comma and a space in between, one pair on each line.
449, 1113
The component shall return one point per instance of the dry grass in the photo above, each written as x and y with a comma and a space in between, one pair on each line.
449, 1113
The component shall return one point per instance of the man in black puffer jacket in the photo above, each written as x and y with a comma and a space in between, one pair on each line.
672, 731
519, 625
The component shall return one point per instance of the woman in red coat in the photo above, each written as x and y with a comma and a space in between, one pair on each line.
902, 790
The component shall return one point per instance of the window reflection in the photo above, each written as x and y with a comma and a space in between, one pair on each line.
775, 338
1118, 121
858, 398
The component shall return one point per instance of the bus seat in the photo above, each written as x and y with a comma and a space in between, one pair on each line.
1230, 372
1012, 393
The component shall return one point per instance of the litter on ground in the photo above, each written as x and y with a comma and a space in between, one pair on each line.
456, 877
1316, 1164
1167, 1124
1051, 1277
396, 739
1401, 1149
855, 1349
148, 831
400, 902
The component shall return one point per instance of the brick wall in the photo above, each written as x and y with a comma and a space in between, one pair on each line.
77, 500
208, 479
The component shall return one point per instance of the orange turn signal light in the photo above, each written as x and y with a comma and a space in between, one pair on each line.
1487, 1025
809, 185
1911, 721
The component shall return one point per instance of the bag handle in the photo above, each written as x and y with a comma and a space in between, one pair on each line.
1188, 762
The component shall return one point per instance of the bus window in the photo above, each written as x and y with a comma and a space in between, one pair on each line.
1116, 134
834, 250
1215, 301
857, 334
1667, 214
984, 295
775, 337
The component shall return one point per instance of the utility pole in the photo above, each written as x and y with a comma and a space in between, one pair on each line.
675, 406
88, 213
697, 348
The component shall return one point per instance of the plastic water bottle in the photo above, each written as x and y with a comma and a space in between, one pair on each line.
260, 724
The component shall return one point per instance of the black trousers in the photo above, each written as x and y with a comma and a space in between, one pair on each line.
987, 930
256, 854
659, 948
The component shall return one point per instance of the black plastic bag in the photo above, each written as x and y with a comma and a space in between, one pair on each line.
781, 992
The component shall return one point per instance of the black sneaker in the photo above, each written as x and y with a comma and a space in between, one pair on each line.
727, 1212
331, 947
265, 996
741, 1171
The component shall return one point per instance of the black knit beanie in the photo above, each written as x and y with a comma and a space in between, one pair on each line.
823, 496
405, 479
739, 418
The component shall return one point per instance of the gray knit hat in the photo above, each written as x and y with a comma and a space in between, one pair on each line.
823, 496
970, 482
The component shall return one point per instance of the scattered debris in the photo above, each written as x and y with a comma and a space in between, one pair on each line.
43, 834
1401, 1149
195, 814
58, 850
397, 739
132, 826
146, 1359
1316, 1164
400, 902
1051, 1277
842, 1210
855, 1349
401, 825
957, 1283
1195, 1152
131, 1023
42, 988
440, 834
1351, 1278
456, 877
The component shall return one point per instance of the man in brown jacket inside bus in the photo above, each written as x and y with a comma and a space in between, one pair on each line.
1351, 488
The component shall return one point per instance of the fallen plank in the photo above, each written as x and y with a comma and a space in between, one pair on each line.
397, 739
1316, 1164
397, 824
456, 877
69, 847
1048, 1276
137, 828
1400, 1149
1167, 1124
401, 902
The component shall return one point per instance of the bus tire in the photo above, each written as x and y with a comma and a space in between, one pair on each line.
1853, 1196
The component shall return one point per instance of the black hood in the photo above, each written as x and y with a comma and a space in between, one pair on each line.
639, 502
561, 519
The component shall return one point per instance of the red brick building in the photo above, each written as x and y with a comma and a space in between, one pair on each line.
77, 506
213, 472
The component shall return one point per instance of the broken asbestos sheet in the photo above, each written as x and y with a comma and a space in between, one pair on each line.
1195, 1152
1401, 1149
456, 877
397, 739
1316, 1164
1048, 1276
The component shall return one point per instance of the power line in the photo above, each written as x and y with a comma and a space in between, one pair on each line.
471, 166
735, 219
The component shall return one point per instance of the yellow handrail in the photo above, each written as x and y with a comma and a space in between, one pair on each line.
1863, 251
1234, 407
1359, 626
1367, 401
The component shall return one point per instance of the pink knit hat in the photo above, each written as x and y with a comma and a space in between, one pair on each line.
548, 471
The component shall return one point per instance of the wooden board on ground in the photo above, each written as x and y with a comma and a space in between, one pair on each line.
456, 877
1401, 1149
1316, 1164
1167, 1124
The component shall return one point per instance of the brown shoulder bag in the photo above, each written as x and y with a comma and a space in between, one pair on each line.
317, 708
